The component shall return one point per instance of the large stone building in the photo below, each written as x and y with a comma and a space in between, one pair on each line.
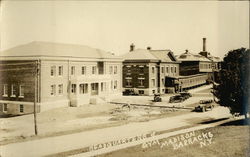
68, 75
145, 70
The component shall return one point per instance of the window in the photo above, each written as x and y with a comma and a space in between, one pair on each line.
175, 69
167, 69
115, 70
73, 70
13, 90
21, 90
110, 69
141, 69
73, 88
102, 86
93, 69
52, 70
60, 89
153, 91
128, 82
83, 88
115, 84
53, 90
172, 70
163, 82
141, 82
111, 85
5, 90
5, 108
83, 70
141, 91
60, 70
162, 69
153, 70
153, 82
21, 108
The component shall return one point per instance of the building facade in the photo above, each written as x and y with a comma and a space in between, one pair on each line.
145, 70
64, 75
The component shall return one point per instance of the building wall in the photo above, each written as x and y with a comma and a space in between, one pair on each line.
18, 78
153, 73
48, 98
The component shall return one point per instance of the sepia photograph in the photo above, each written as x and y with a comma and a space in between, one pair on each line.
81, 78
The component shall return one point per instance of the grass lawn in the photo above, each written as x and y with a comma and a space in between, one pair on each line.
227, 141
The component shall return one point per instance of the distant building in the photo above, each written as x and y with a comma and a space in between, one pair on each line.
145, 70
196, 69
68, 75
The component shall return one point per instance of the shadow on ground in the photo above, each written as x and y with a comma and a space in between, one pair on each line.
213, 121
237, 122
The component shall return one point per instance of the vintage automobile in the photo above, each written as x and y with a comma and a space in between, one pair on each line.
157, 98
176, 99
204, 105
186, 95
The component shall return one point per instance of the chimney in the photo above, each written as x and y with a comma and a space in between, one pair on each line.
148, 48
186, 51
132, 47
204, 44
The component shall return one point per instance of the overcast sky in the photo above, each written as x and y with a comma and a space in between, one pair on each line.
113, 26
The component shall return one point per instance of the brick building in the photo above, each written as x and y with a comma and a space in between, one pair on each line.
145, 70
68, 75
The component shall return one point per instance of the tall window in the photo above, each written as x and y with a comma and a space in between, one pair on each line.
60, 70
60, 89
5, 108
21, 90
153, 70
13, 90
171, 69
53, 90
102, 86
73, 88
93, 69
110, 69
175, 69
141, 82
128, 82
162, 69
83, 88
83, 70
115, 84
53, 70
5, 90
167, 69
153, 82
21, 108
73, 70
115, 70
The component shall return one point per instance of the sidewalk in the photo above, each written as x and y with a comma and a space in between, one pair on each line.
53, 145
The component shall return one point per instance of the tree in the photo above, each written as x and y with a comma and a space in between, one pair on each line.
233, 88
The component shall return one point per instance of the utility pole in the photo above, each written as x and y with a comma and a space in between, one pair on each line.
35, 96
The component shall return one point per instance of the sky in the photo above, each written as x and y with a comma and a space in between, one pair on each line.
114, 25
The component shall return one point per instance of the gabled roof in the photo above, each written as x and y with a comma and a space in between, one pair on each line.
152, 55
187, 56
50, 49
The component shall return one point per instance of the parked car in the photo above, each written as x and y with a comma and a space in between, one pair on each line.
157, 98
204, 106
176, 99
186, 95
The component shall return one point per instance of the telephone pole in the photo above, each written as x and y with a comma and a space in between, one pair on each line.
35, 96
